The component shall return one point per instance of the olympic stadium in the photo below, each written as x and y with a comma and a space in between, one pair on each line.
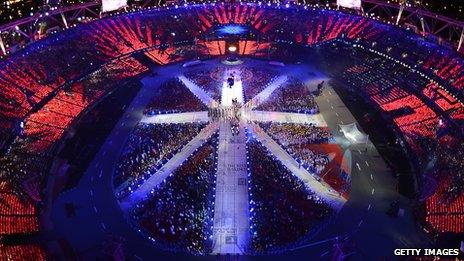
231, 130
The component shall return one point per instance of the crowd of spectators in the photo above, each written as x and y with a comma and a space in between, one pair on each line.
74, 53
293, 96
449, 153
67, 56
178, 214
173, 96
64, 101
29, 156
18, 216
17, 212
14, 10
296, 139
148, 147
22, 252
428, 120
255, 79
294, 134
210, 81
53, 81
445, 206
30, 153
288, 216
21, 164
382, 82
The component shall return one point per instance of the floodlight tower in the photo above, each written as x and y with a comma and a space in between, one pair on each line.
406, 3
416, 4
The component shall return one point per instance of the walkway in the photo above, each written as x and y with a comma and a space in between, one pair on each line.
318, 187
140, 193
284, 117
198, 91
264, 94
231, 233
373, 190
236, 92
184, 117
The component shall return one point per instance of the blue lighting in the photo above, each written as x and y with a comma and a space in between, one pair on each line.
232, 29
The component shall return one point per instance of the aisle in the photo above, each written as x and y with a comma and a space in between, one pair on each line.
323, 190
284, 117
198, 91
266, 93
236, 92
182, 117
148, 185
231, 233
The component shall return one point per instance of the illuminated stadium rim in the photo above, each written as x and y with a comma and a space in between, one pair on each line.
66, 15
265, 5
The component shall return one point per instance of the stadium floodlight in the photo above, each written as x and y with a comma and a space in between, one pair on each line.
232, 49
112, 5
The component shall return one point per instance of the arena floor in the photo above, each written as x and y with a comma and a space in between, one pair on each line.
361, 220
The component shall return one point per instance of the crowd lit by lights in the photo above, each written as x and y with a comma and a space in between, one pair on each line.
16, 9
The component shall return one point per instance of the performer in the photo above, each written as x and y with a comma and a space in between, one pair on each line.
230, 82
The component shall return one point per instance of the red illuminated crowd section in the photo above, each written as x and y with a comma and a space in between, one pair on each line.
443, 212
42, 130
327, 28
122, 35
236, 14
22, 252
28, 79
445, 215
22, 88
111, 31
447, 67
124, 68
420, 123
163, 57
324, 28
253, 48
446, 102
16, 216
48, 125
213, 47
445, 206
308, 31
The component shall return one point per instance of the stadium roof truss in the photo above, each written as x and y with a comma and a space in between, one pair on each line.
27, 29
424, 22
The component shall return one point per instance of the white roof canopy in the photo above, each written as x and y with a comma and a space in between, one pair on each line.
353, 134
